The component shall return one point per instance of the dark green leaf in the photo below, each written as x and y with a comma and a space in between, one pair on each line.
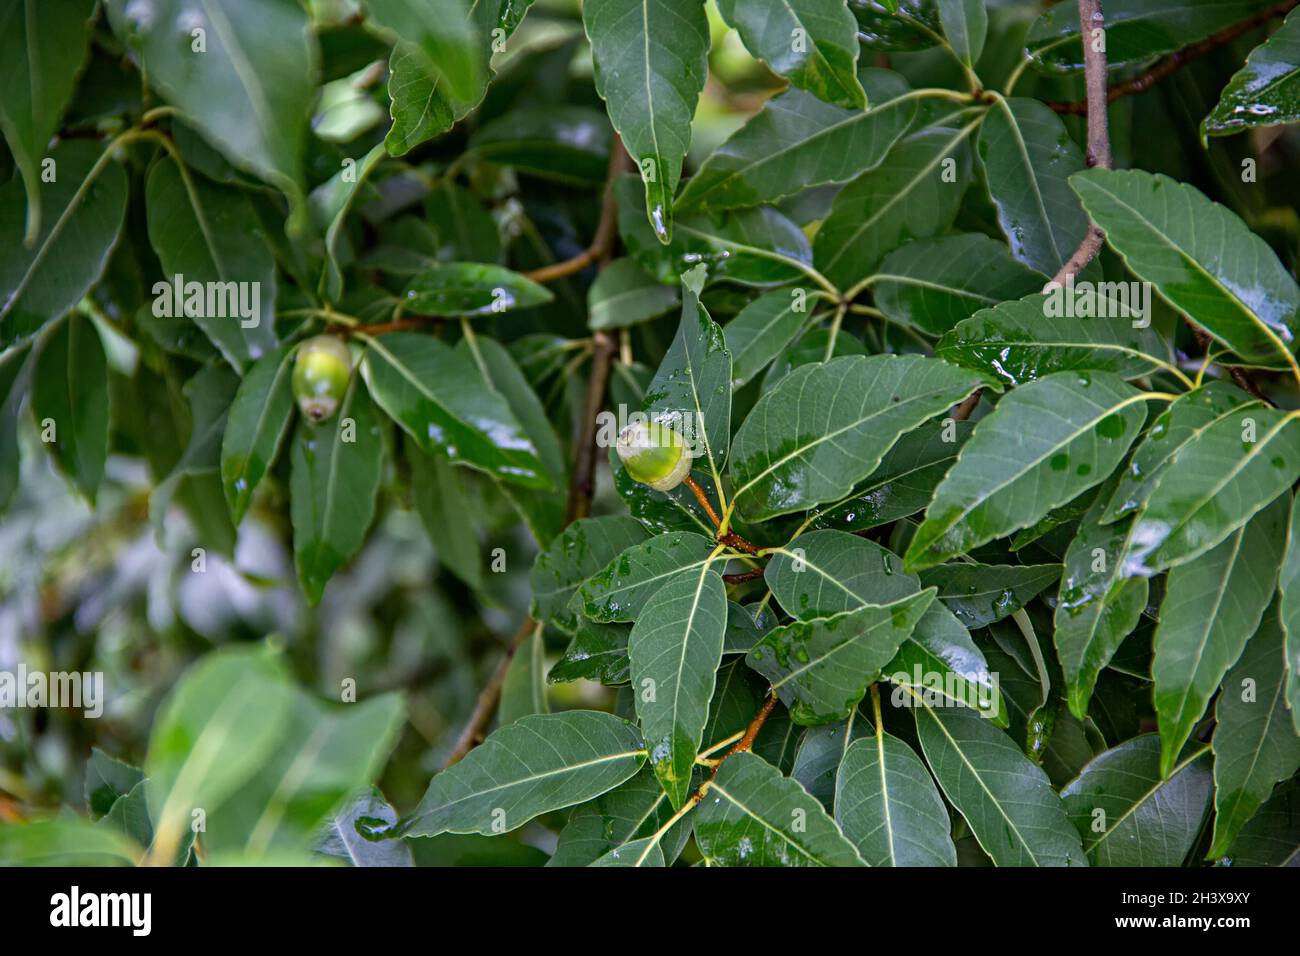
255, 427
471, 289
1266, 91
70, 401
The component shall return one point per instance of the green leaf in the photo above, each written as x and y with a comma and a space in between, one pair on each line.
342, 191
1264, 92
443, 33
443, 402
934, 284
1212, 606
824, 573
1201, 257
620, 590
821, 668
905, 481
965, 24
43, 45
597, 652
897, 25
691, 391
980, 594
753, 816
763, 329
73, 842
624, 294
617, 819
813, 43
219, 725
675, 649
756, 246
210, 234
1097, 606
1028, 156
569, 144
1288, 587
584, 548
471, 289
821, 751
447, 515
1043, 445
70, 400
825, 427
324, 756
256, 118
466, 232
1017, 342
1213, 485
903, 198
1272, 836
1182, 422
82, 215
107, 779
651, 61
255, 428
13, 392
345, 836
1005, 797
524, 689
1255, 745
334, 477
535, 765
1135, 30
795, 141
1129, 815
887, 805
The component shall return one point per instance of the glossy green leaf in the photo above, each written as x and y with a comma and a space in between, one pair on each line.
1097, 606
615, 820
255, 428
1272, 836
1027, 157
584, 548
1018, 341
1182, 422
256, 118
1212, 606
903, 198
465, 231
813, 43
597, 652
524, 690
887, 805
965, 24
797, 141
651, 61
80, 220
70, 401
1288, 588
753, 816
620, 590
210, 234
341, 192
1135, 30
443, 33
43, 45
448, 515
763, 329
821, 751
443, 402
1255, 744
1266, 91
1213, 485
535, 765
624, 294
334, 475
821, 668
979, 594
1044, 444
1005, 798
825, 427
675, 649
1129, 815
345, 838
897, 25
934, 284
565, 143
1200, 256
59, 842
471, 289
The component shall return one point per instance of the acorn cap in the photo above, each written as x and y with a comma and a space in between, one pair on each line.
654, 455
321, 371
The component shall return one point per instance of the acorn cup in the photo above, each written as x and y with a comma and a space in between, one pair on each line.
321, 371
654, 455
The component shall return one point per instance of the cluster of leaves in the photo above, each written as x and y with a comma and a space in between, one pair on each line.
866, 631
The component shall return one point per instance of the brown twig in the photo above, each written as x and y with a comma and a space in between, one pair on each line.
1178, 59
962, 411
742, 576
703, 499
1094, 71
486, 705
743, 744
1239, 375
606, 229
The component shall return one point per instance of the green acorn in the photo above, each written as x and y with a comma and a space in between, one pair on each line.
654, 455
320, 376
